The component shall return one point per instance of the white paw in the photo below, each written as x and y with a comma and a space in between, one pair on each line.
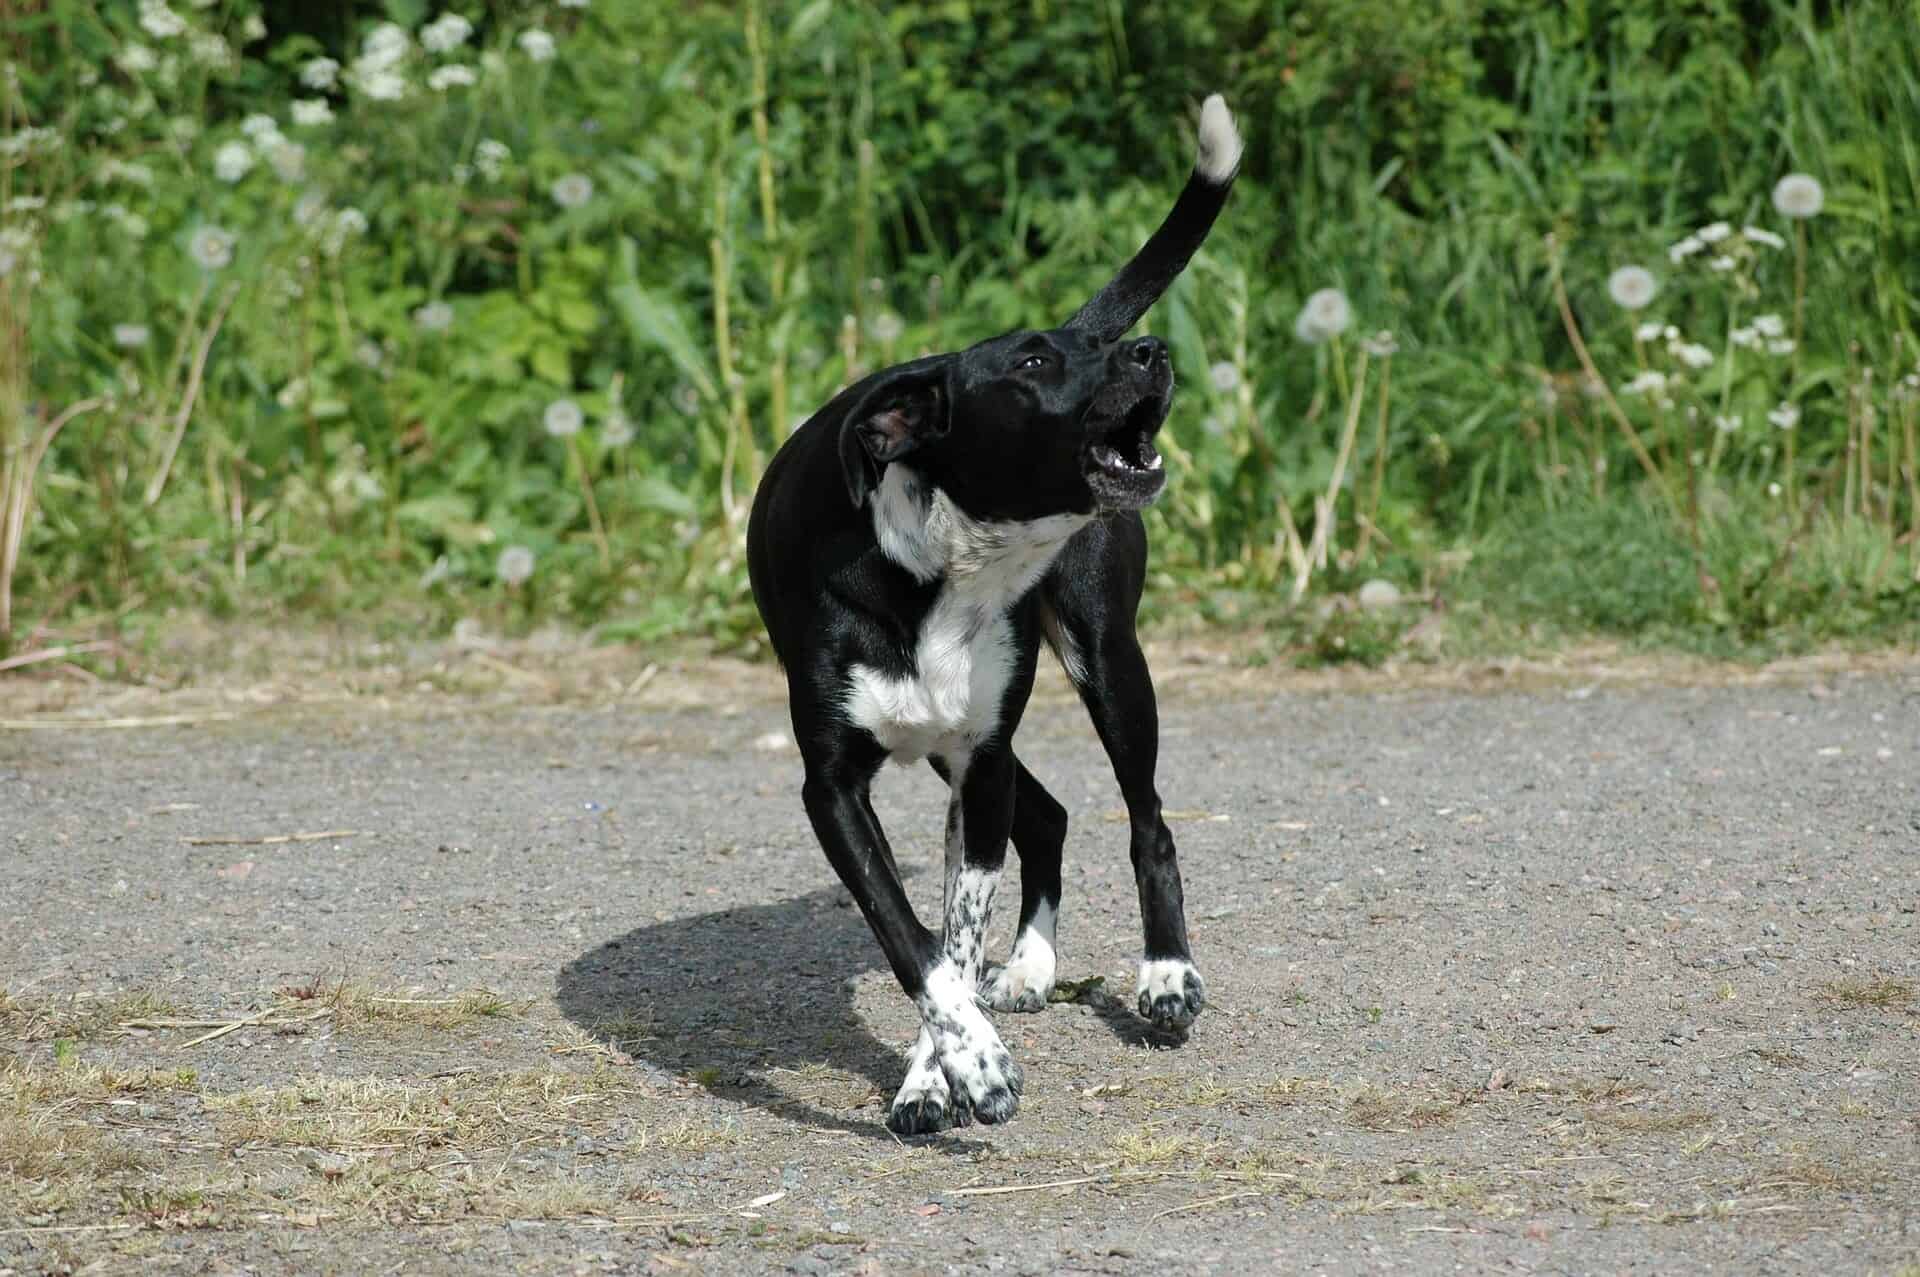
1025, 983
1171, 993
978, 1068
924, 1104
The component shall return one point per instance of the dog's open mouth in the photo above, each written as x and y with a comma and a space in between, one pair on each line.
1123, 468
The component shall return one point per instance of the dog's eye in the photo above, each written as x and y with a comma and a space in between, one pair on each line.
1032, 361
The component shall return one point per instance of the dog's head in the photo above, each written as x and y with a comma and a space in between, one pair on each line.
1020, 427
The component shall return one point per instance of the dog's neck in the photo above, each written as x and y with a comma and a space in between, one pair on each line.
921, 529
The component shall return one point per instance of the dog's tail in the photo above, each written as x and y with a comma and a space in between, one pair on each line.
1119, 305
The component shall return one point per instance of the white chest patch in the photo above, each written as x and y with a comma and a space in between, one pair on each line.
964, 656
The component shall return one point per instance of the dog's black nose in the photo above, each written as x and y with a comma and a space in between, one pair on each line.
1147, 352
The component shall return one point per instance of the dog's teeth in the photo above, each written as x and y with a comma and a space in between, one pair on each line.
1156, 462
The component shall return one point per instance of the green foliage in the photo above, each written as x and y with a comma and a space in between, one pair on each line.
695, 222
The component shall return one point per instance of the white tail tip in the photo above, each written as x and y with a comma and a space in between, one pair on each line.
1220, 144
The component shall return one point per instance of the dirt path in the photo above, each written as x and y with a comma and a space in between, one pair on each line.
1584, 978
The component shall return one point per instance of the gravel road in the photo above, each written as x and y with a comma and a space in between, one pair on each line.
1594, 977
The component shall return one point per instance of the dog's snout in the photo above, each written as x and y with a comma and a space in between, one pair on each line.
1147, 352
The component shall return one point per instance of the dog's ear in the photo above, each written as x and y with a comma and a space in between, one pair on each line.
901, 409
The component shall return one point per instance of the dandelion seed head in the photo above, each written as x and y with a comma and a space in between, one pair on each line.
211, 247
1798, 196
686, 399
616, 431
434, 317
1224, 376
514, 567
1381, 344
886, 327
536, 44
572, 191
1329, 312
370, 354
563, 418
1631, 287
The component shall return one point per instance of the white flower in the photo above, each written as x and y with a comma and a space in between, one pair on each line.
1747, 338
572, 4
1713, 233
536, 44
1686, 248
231, 162
1754, 235
1780, 346
1326, 315
209, 49
1670, 333
1225, 376
308, 112
1786, 416
341, 227
1647, 383
211, 247
1723, 263
514, 565
1381, 344
1727, 425
1631, 287
130, 336
572, 191
319, 73
380, 84
259, 125
1773, 489
1770, 325
1649, 331
563, 418
370, 354
1798, 196
886, 327
384, 47
440, 79
616, 431
490, 157
253, 27
434, 317
161, 22
1693, 356
448, 31
135, 58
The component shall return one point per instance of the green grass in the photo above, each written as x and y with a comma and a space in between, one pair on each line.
786, 195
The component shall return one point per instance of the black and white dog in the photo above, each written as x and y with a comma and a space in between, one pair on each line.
910, 547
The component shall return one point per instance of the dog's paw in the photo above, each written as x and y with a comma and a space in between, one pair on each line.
921, 1109
988, 1078
1171, 994
1015, 988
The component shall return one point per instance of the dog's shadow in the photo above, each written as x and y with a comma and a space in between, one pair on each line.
750, 1001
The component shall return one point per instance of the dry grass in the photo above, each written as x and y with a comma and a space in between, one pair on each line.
76, 1017
1880, 992
1637, 1123
1378, 1110
361, 1006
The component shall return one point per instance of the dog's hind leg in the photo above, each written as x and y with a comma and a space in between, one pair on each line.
1025, 982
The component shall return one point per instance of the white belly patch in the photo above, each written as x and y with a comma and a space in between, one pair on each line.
963, 658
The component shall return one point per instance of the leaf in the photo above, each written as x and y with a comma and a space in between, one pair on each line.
550, 363
654, 493
658, 324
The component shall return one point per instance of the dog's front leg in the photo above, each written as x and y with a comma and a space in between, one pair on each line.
958, 1045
